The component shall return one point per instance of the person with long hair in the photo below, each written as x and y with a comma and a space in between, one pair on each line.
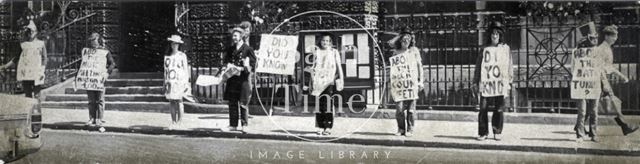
32, 61
405, 109
495, 39
327, 78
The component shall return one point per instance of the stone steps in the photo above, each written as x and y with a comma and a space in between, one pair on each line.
109, 97
142, 106
124, 90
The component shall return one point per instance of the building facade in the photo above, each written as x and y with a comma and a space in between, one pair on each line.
450, 35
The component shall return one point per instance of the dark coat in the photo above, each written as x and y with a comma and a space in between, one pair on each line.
234, 86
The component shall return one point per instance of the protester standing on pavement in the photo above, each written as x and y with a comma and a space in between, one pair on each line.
31, 62
587, 108
181, 75
240, 57
404, 44
96, 97
496, 39
326, 79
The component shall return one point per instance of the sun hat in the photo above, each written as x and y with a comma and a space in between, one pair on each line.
176, 39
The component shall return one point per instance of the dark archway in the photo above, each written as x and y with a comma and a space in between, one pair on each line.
145, 27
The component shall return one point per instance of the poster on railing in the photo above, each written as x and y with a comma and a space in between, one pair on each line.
585, 82
93, 70
494, 71
174, 76
277, 54
404, 77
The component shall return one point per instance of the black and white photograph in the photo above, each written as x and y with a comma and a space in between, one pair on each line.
331, 81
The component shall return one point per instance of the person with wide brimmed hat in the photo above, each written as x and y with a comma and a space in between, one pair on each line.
177, 73
238, 88
495, 41
404, 48
102, 63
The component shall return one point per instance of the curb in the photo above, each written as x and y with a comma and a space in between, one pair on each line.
216, 133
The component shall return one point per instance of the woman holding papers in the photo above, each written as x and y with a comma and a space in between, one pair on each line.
407, 80
326, 68
493, 86
240, 61
176, 79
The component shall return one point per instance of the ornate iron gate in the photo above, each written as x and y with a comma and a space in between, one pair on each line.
540, 48
65, 31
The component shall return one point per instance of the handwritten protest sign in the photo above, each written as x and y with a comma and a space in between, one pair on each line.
404, 77
30, 64
585, 83
324, 72
174, 76
277, 54
93, 70
494, 71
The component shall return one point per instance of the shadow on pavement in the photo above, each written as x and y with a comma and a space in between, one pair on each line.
70, 123
214, 117
207, 129
297, 132
549, 139
564, 132
456, 137
147, 127
374, 133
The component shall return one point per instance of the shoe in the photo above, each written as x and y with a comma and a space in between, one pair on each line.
326, 132
482, 138
319, 131
245, 129
579, 140
408, 134
91, 122
629, 129
626, 129
498, 137
228, 129
98, 122
399, 133
594, 139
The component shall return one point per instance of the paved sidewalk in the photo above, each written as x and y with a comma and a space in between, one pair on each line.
443, 134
